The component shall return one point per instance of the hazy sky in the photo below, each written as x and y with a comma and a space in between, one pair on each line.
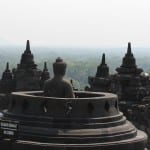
103, 23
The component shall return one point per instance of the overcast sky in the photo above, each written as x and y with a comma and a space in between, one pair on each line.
82, 23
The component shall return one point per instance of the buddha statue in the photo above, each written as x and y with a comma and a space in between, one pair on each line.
57, 86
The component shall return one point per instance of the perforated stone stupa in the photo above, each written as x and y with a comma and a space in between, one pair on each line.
86, 121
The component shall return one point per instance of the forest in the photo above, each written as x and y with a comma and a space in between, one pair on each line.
81, 62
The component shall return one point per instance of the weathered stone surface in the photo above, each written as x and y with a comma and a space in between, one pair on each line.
89, 121
131, 86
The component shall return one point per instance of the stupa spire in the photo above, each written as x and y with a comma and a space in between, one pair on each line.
45, 67
45, 75
103, 59
129, 49
7, 74
102, 69
27, 58
7, 66
6, 82
129, 63
28, 47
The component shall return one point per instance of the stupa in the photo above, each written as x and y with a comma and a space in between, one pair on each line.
27, 76
88, 121
45, 75
102, 81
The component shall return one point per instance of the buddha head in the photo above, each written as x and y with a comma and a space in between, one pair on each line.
59, 67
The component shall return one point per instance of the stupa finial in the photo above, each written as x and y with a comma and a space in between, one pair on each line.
45, 67
7, 66
103, 59
28, 47
129, 48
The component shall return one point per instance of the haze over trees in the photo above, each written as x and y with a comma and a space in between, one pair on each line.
82, 62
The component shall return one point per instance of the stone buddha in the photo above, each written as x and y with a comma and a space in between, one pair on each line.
57, 86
